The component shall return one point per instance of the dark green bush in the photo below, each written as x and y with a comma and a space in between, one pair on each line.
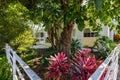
75, 45
104, 46
48, 52
13, 24
23, 41
5, 71
29, 54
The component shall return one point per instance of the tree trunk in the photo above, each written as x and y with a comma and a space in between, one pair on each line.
66, 38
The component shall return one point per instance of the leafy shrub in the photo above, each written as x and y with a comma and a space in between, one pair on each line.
13, 22
23, 41
75, 45
5, 72
29, 55
104, 46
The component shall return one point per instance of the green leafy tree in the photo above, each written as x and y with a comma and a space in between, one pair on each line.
14, 24
59, 17
23, 41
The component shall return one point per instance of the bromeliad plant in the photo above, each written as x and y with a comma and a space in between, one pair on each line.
85, 64
80, 67
58, 66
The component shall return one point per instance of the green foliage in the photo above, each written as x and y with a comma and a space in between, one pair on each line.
29, 55
118, 28
75, 45
5, 71
57, 14
104, 45
14, 27
109, 42
50, 51
98, 3
53, 14
23, 41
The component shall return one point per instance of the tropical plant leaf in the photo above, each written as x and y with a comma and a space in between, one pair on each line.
98, 3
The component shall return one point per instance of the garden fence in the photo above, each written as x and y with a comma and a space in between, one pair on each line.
14, 60
109, 67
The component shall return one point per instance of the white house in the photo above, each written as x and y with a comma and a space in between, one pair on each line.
88, 37
38, 31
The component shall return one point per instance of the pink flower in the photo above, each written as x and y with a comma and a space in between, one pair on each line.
58, 65
85, 52
86, 64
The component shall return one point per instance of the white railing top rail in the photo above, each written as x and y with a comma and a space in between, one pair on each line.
32, 75
101, 69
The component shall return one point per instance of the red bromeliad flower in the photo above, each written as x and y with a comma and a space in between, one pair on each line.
58, 65
82, 67
85, 52
85, 63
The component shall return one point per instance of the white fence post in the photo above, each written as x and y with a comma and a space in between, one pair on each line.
14, 67
8, 53
12, 59
111, 62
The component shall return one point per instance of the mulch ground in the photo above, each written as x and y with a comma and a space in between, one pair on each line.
38, 69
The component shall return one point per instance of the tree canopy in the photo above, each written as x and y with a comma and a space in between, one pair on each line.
59, 16
13, 22
62, 14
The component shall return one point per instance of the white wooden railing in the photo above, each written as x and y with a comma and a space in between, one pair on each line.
14, 60
110, 65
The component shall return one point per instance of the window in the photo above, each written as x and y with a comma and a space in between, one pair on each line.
88, 33
41, 34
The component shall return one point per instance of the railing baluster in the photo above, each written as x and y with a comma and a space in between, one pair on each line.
15, 58
20, 74
14, 67
112, 63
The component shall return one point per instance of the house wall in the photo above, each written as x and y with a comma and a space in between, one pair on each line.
112, 32
89, 41
105, 31
76, 34
85, 41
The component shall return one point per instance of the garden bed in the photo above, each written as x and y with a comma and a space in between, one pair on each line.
43, 71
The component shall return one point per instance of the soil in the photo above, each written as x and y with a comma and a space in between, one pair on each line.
37, 68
